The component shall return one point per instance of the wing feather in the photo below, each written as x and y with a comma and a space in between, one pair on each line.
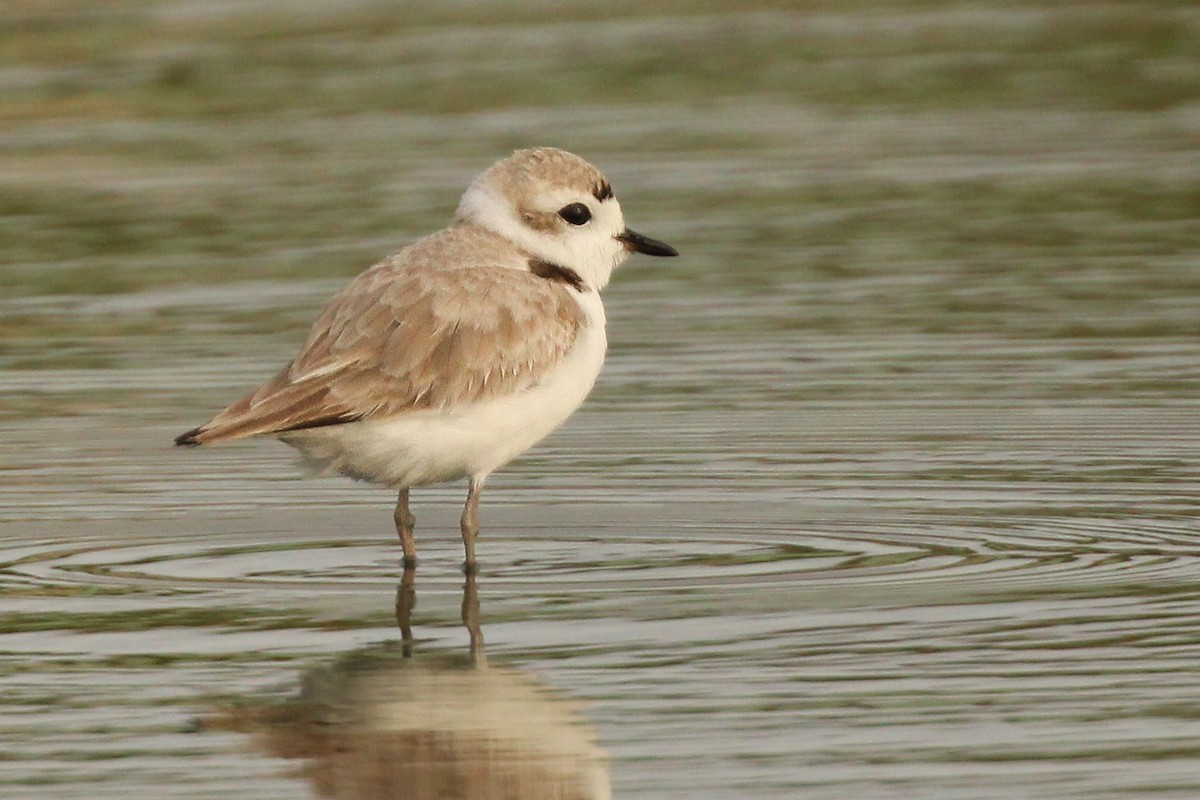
398, 340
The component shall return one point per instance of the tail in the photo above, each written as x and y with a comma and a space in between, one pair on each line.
190, 439
278, 406
279, 414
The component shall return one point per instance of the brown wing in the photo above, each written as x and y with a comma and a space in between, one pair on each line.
398, 340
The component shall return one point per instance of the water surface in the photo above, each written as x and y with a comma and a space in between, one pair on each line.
889, 487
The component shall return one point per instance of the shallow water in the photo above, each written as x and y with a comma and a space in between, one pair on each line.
889, 487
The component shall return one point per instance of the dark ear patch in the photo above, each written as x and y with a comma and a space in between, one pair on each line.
553, 272
603, 191
540, 220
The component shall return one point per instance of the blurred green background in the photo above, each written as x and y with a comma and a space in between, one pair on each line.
147, 144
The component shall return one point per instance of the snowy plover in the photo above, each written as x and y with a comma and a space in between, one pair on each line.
460, 352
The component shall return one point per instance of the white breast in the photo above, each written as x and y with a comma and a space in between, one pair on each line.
430, 446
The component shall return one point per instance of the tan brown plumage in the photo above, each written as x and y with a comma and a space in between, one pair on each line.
524, 177
409, 333
459, 353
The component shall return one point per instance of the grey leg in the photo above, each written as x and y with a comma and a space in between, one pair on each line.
404, 527
470, 521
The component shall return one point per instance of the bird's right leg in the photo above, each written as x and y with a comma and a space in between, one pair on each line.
404, 527
470, 521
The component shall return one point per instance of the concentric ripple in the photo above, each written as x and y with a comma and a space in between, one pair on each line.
968, 554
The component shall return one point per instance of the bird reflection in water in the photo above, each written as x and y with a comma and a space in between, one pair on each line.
406, 601
391, 721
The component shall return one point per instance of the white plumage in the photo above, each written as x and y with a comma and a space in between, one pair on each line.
475, 439
463, 350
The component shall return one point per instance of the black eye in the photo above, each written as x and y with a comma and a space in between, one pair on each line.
576, 213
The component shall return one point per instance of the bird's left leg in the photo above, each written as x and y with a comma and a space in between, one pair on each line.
405, 521
470, 520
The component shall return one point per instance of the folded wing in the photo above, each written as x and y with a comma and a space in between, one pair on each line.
397, 341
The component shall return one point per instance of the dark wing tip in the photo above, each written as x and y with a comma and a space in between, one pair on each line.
189, 439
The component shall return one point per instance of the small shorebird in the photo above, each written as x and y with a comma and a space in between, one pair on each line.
457, 354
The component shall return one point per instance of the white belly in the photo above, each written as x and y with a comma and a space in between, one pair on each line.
423, 447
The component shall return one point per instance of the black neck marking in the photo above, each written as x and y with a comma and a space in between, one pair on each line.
553, 272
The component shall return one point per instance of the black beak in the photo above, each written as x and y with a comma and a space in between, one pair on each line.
644, 244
